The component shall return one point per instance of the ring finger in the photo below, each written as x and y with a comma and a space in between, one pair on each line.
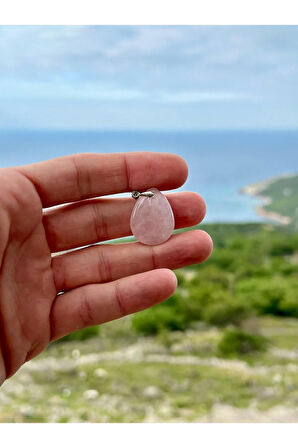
107, 262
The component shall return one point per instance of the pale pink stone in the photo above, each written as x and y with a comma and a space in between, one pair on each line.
152, 220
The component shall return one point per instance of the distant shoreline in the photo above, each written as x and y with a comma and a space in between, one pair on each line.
256, 190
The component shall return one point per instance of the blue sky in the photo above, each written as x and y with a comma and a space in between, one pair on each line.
159, 77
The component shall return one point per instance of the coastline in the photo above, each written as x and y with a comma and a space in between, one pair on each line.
256, 191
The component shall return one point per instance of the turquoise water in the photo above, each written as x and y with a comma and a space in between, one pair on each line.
220, 163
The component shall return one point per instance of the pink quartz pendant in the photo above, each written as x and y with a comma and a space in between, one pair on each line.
152, 220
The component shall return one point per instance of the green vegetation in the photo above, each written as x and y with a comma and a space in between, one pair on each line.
252, 271
284, 194
176, 376
236, 342
227, 339
81, 335
280, 199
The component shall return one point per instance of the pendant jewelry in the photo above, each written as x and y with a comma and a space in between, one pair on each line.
152, 220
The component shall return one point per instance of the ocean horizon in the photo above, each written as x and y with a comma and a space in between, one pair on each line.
220, 163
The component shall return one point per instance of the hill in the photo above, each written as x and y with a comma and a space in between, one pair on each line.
280, 199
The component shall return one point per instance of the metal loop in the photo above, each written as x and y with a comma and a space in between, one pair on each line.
136, 194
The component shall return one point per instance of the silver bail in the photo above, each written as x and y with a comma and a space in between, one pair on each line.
136, 194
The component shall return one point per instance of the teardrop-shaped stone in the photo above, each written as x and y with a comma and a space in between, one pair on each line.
152, 220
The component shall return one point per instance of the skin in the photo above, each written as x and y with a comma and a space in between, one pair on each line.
99, 283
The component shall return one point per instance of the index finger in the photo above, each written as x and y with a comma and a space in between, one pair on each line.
82, 176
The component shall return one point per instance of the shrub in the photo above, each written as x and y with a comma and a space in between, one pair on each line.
224, 259
237, 342
276, 295
191, 307
211, 273
289, 305
226, 311
250, 272
154, 320
82, 335
284, 244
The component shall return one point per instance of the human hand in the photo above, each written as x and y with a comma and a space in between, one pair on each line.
99, 283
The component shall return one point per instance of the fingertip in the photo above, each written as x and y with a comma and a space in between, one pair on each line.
198, 209
183, 168
167, 171
193, 247
207, 246
168, 280
144, 290
174, 169
158, 285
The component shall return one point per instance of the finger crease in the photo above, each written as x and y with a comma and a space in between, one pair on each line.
85, 312
119, 299
99, 224
59, 276
127, 173
104, 267
153, 258
78, 182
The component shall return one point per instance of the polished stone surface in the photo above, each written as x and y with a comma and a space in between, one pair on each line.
152, 220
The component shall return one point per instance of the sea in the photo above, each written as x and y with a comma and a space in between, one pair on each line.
220, 163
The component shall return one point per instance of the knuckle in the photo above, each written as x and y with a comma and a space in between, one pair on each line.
120, 300
86, 312
104, 266
99, 222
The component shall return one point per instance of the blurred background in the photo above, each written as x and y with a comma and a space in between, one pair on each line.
225, 346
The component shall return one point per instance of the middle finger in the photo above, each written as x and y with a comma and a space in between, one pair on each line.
95, 220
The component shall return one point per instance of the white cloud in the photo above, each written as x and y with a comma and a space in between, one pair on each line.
11, 88
27, 89
199, 97
160, 72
